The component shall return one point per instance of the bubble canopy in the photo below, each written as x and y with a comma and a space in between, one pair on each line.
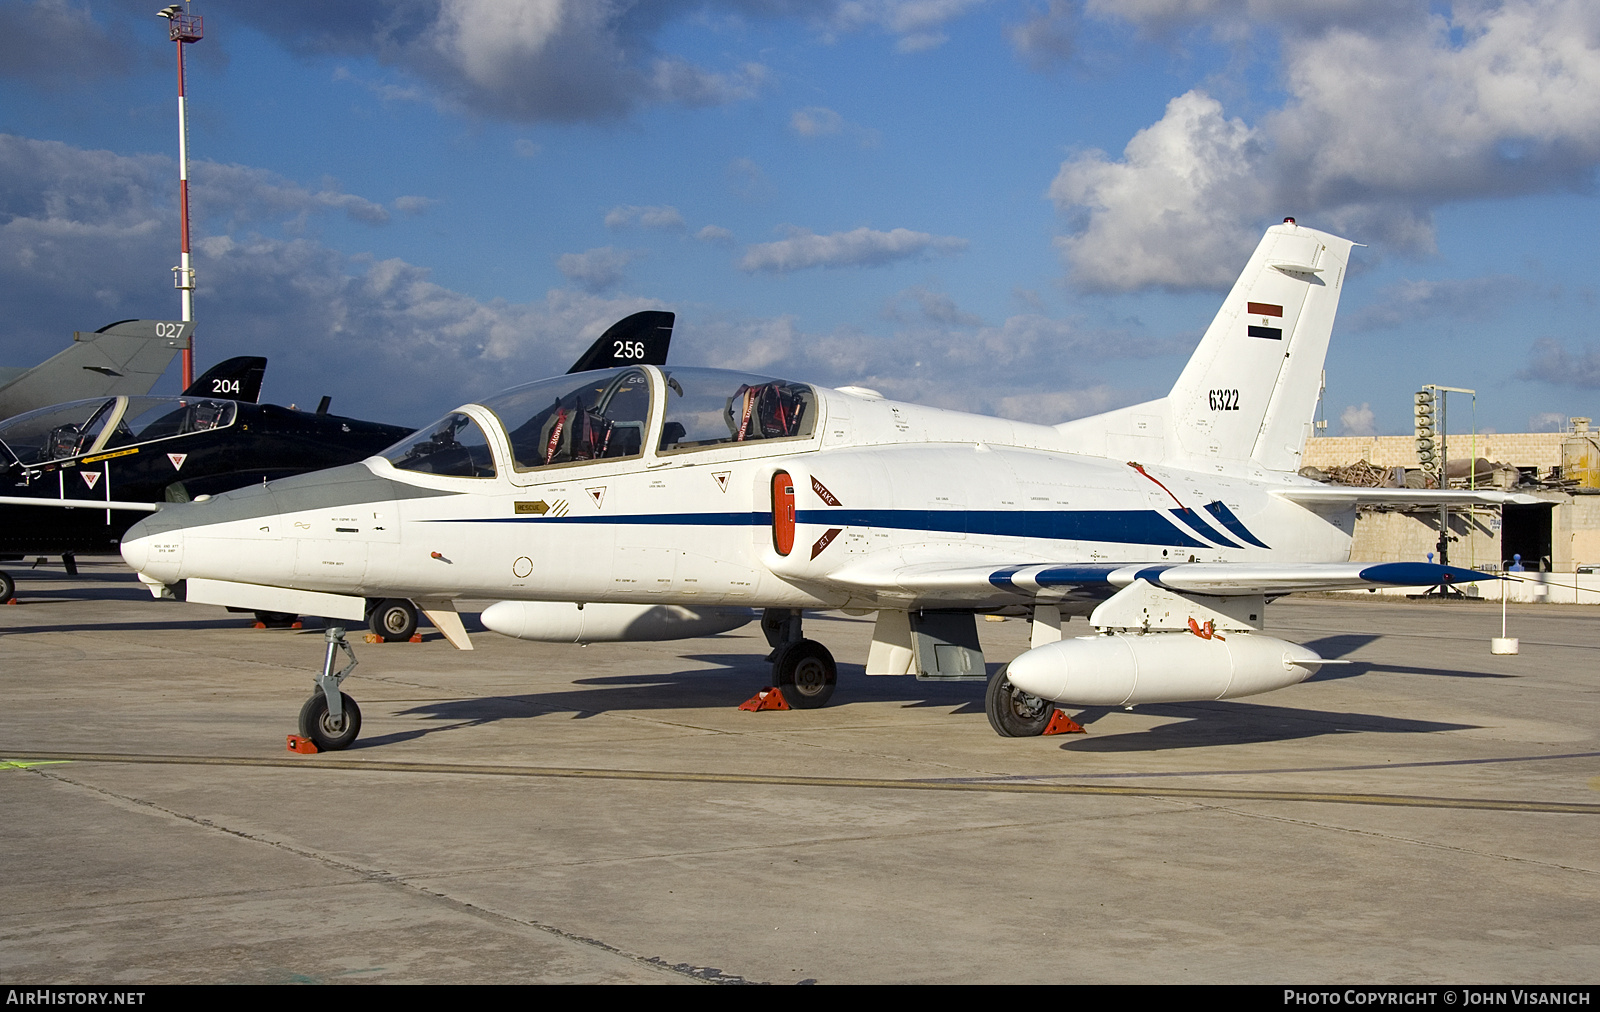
607, 415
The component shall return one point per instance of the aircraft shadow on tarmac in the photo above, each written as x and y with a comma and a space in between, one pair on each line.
737, 677
1229, 722
1338, 646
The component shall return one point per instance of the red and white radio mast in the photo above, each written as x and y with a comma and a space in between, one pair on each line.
183, 28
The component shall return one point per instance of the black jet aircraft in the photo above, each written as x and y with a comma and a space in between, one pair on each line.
138, 451
132, 453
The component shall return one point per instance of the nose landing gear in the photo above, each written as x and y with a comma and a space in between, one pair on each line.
330, 717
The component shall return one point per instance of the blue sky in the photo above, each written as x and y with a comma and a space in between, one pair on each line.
1023, 207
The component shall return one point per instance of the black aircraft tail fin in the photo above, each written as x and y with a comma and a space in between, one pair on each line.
640, 339
237, 379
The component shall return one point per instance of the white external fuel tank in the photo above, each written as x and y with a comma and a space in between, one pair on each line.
564, 622
1121, 669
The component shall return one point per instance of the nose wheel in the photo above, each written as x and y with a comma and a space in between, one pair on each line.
330, 717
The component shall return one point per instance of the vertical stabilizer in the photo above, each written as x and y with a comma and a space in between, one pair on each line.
120, 358
1250, 389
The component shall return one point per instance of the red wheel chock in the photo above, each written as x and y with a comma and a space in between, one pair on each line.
1060, 723
304, 746
375, 638
767, 699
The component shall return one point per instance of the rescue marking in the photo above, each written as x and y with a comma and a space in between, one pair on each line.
721, 478
107, 456
177, 460
540, 507
90, 477
346, 766
598, 495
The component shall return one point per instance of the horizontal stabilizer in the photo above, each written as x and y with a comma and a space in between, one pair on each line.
640, 339
237, 379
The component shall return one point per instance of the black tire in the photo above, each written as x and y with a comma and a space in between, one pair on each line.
393, 620
1013, 713
806, 673
316, 725
8, 587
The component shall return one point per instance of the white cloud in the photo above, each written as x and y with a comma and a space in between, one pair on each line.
818, 121
1388, 118
1048, 37
1547, 421
627, 216
917, 23
1354, 421
932, 307
714, 234
1551, 361
524, 148
1408, 303
596, 270
58, 42
1174, 212
860, 247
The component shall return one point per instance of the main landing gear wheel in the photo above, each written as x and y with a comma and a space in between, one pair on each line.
393, 619
1014, 713
8, 587
318, 724
806, 673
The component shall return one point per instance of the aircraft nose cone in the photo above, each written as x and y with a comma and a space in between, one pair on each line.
154, 550
135, 551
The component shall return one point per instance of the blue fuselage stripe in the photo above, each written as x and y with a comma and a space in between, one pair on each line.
1129, 527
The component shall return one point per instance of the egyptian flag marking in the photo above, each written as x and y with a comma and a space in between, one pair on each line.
1265, 314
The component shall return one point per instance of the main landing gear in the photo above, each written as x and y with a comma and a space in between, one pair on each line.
1014, 713
393, 619
802, 668
330, 718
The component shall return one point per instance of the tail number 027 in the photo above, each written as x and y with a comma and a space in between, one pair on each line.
628, 349
1224, 400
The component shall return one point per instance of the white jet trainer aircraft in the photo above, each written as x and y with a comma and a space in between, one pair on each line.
649, 502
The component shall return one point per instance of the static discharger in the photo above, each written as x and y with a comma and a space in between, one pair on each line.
770, 698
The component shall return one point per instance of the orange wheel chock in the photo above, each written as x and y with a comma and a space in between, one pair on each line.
1060, 723
767, 699
304, 746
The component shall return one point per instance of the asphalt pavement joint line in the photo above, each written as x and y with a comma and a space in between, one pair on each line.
378, 876
1390, 837
755, 779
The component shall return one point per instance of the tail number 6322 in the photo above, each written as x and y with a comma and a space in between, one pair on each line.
1224, 400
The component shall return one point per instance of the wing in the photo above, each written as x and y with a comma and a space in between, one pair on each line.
988, 586
1345, 496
